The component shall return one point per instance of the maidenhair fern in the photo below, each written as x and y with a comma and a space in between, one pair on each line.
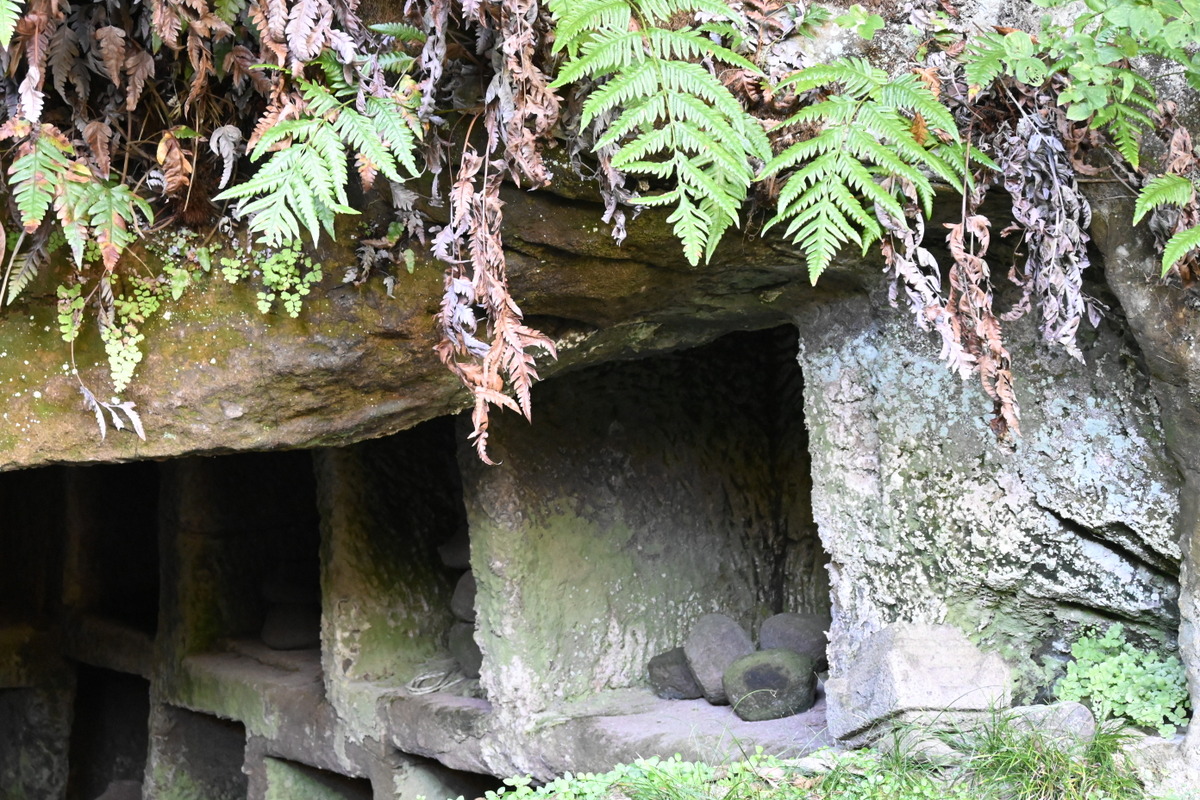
875, 127
671, 119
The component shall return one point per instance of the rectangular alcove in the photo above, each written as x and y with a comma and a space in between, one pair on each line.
111, 566
645, 495
195, 756
109, 731
241, 540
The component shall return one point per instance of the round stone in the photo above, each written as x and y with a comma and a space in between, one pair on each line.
715, 642
771, 684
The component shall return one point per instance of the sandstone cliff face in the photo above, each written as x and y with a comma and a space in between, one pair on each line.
723, 478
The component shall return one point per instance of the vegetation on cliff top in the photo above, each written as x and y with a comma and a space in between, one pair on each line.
121, 116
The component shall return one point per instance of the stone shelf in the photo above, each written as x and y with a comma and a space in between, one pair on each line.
107, 643
441, 726
616, 726
265, 690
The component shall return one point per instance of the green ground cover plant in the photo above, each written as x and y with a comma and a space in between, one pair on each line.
997, 761
1117, 679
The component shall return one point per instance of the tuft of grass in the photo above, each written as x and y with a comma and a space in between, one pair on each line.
1000, 761
1008, 762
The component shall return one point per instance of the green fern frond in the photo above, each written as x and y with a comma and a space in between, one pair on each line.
397, 128
10, 12
577, 20
856, 76
24, 270
36, 175
672, 119
360, 133
112, 215
1174, 190
1179, 246
400, 31
834, 184
984, 59
303, 185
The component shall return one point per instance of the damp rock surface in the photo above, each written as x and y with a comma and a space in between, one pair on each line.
770, 684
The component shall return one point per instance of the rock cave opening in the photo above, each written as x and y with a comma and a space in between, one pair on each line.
297, 617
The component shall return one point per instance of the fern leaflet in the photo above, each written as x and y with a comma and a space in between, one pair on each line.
836, 181
1174, 190
672, 120
1179, 246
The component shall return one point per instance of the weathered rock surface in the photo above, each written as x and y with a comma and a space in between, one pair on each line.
801, 633
770, 684
927, 519
218, 376
909, 667
714, 643
1066, 724
1164, 322
671, 678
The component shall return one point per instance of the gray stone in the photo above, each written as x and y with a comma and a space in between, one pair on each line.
463, 601
456, 553
122, 790
912, 667
770, 684
671, 678
715, 642
1066, 724
292, 626
465, 649
800, 633
926, 518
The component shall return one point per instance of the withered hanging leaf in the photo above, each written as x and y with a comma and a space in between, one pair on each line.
98, 135
33, 33
277, 18
242, 66
301, 27
226, 143
164, 19
202, 68
111, 40
176, 167
66, 62
273, 43
139, 66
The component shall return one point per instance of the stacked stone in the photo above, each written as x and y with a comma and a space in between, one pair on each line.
456, 554
719, 662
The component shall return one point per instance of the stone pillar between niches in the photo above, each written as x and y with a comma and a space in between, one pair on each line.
928, 520
386, 506
35, 732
